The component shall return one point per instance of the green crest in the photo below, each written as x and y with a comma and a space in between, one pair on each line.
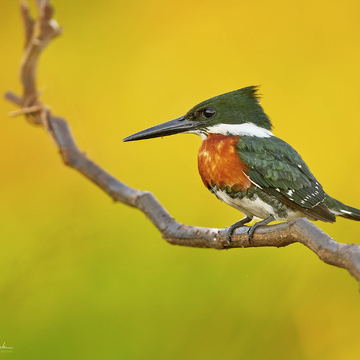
235, 107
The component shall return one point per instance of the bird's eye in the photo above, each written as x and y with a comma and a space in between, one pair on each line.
208, 113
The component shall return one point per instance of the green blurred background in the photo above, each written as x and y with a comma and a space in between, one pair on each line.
84, 278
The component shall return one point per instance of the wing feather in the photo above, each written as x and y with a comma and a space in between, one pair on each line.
275, 167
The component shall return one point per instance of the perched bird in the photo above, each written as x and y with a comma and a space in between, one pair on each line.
243, 164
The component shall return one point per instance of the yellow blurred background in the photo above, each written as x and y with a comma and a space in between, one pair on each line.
84, 278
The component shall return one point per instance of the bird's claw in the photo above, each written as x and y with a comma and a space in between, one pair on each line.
251, 230
228, 237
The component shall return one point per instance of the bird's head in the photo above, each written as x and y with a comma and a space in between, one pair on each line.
235, 113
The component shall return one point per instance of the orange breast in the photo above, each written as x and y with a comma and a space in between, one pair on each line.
220, 165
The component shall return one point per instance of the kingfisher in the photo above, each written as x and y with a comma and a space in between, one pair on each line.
244, 165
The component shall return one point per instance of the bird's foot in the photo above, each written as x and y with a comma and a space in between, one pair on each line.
251, 230
234, 226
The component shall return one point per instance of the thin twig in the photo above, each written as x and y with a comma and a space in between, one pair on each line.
25, 111
37, 35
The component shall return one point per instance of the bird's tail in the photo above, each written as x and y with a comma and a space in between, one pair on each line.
340, 209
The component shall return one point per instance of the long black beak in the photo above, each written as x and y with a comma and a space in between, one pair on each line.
171, 127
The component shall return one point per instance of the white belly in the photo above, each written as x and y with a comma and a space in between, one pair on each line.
256, 207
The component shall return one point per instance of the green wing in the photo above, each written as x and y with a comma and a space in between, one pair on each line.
275, 167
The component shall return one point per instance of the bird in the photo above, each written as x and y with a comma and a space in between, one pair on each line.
244, 165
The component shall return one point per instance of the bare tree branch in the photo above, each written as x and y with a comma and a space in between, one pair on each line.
38, 34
